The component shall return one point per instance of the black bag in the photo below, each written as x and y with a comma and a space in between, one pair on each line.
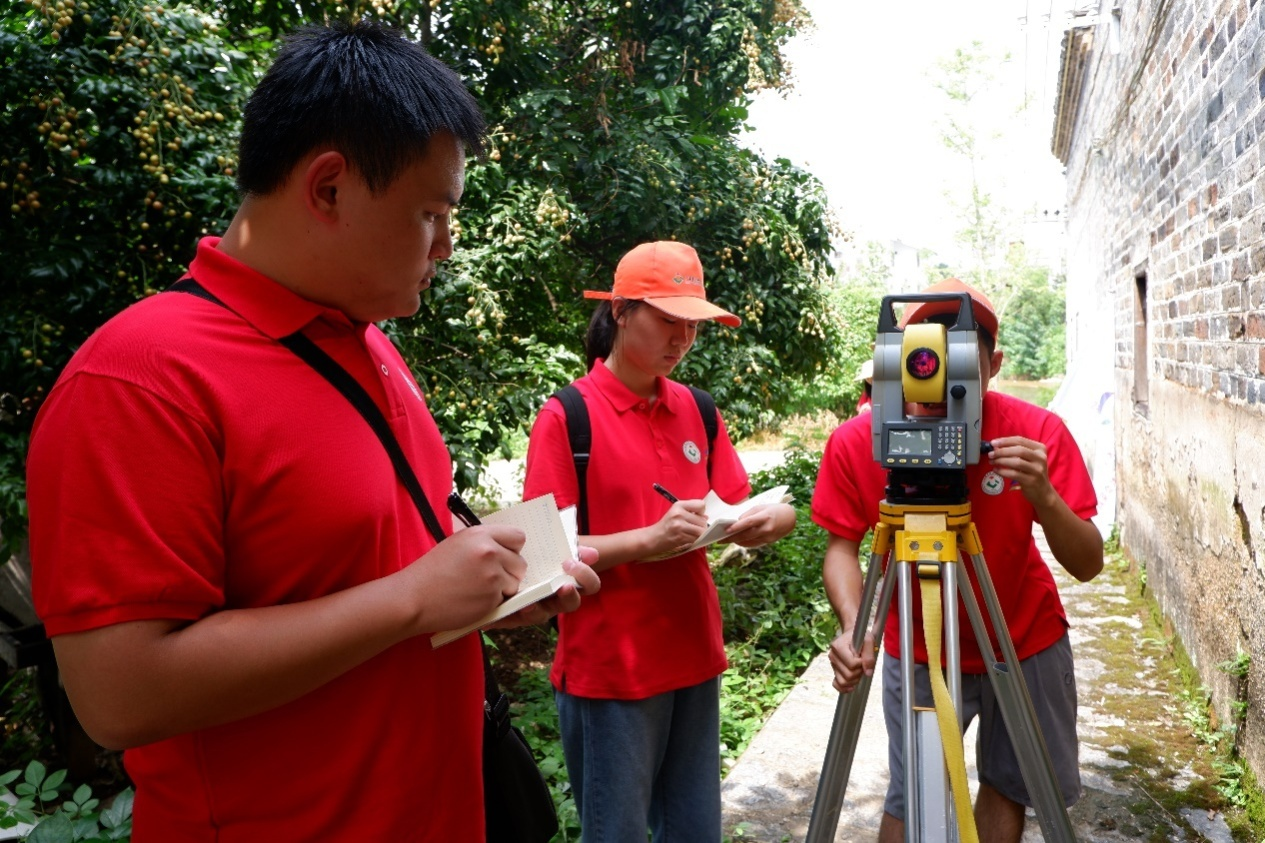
517, 804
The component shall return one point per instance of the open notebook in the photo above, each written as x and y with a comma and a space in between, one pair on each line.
551, 538
721, 515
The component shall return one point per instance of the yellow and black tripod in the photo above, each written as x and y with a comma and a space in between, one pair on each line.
923, 540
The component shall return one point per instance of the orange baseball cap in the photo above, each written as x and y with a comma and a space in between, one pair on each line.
669, 276
985, 316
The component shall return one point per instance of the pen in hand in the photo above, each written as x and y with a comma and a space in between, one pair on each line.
671, 497
462, 510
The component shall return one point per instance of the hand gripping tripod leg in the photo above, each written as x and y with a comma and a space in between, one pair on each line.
927, 537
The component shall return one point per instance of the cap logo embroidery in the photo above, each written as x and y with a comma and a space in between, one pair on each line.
691, 451
688, 279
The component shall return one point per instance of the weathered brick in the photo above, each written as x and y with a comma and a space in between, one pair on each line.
1232, 298
1256, 293
1255, 327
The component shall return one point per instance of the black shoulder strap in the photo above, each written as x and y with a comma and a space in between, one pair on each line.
190, 285
310, 353
580, 437
707, 409
495, 703
351, 389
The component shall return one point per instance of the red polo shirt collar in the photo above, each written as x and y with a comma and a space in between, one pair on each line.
273, 310
623, 399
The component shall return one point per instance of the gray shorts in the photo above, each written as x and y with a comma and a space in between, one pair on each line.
1052, 686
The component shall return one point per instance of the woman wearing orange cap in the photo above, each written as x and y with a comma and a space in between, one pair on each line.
636, 673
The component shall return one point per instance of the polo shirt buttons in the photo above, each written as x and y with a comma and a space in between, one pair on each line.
385, 371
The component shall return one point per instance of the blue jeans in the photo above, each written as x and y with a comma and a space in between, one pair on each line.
638, 764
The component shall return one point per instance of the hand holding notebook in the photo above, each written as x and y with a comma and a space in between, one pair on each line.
721, 516
551, 539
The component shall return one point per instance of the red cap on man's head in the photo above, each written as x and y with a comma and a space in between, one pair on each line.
669, 276
985, 316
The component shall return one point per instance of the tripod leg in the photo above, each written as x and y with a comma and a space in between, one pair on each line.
849, 711
936, 822
908, 703
1017, 711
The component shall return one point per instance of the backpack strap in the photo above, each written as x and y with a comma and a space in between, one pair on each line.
707, 409
580, 437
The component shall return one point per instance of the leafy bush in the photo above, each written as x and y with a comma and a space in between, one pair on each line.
77, 817
774, 608
835, 388
536, 715
119, 124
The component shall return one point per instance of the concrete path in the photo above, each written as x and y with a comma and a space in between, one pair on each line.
1135, 746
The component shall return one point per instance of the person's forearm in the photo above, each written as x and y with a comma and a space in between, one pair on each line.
1074, 541
618, 548
140, 682
784, 518
841, 573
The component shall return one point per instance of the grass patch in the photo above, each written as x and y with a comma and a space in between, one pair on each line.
1178, 753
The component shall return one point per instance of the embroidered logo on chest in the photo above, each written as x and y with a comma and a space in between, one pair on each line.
993, 484
691, 451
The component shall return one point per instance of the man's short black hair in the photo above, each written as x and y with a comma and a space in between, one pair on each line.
360, 88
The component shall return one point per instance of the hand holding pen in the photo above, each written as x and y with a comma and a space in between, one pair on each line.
671, 497
680, 525
458, 507
565, 599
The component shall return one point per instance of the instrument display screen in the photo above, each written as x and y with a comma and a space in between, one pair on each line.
909, 443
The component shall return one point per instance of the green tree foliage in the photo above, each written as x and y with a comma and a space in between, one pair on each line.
117, 125
615, 124
1034, 332
837, 387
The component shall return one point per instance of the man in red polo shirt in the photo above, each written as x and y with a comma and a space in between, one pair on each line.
1035, 474
237, 584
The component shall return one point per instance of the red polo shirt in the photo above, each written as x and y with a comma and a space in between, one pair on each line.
851, 484
655, 626
184, 463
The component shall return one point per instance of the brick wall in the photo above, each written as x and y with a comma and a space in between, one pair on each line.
1166, 192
